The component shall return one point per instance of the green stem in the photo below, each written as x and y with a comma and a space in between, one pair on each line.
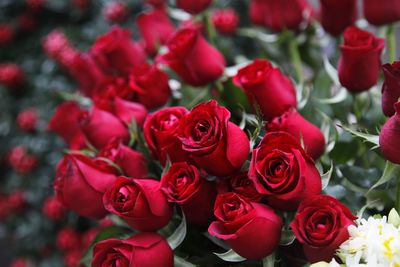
391, 43
397, 203
295, 57
269, 261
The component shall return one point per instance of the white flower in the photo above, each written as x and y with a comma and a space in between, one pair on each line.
373, 243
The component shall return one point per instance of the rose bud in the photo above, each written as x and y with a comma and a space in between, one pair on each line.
132, 163
208, 135
67, 239
391, 87
321, 225
128, 112
381, 13
267, 87
192, 58
242, 185
116, 12
193, 7
11, 75
20, 262
65, 123
225, 20
184, 185
252, 230
337, 15
282, 171
155, 28
53, 209
144, 250
86, 72
363, 50
115, 52
304, 131
389, 140
7, 34
27, 119
278, 15
17, 201
21, 161
73, 258
139, 202
80, 184
160, 132
150, 85
99, 127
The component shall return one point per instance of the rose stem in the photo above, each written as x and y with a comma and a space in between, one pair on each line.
295, 57
391, 42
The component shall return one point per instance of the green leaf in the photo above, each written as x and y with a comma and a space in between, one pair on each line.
230, 256
370, 138
179, 262
326, 177
178, 235
391, 171
331, 71
339, 97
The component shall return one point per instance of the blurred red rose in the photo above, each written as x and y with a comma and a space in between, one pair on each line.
267, 87
225, 20
155, 28
304, 131
382, 12
53, 209
360, 60
116, 12
391, 87
389, 138
193, 58
193, 7
80, 184
337, 15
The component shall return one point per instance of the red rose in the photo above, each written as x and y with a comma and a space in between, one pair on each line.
253, 230
65, 123
241, 184
391, 87
360, 60
160, 132
17, 201
283, 172
21, 161
389, 138
321, 225
192, 58
53, 209
380, 13
11, 75
86, 72
27, 119
279, 14
268, 87
80, 184
128, 111
193, 7
99, 127
156, 3
116, 52
144, 250
67, 239
155, 28
184, 185
209, 137
150, 86
19, 262
73, 258
337, 15
132, 163
139, 202
225, 20
116, 12
292, 122
7, 34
